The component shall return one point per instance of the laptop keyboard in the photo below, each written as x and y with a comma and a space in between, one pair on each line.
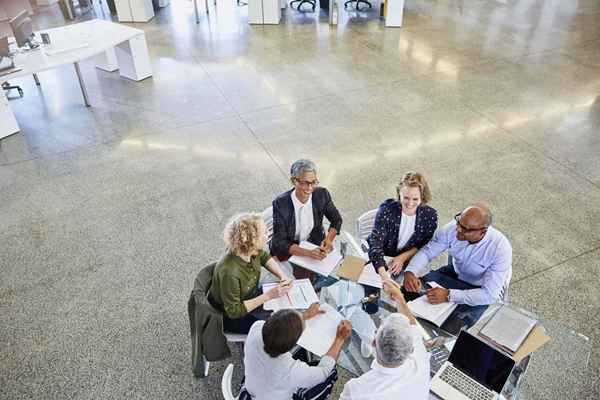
467, 386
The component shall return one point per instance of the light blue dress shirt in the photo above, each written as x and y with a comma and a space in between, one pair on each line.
487, 263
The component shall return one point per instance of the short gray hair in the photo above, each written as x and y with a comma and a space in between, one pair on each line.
301, 166
393, 341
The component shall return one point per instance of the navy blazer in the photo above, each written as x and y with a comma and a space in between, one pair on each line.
383, 240
284, 221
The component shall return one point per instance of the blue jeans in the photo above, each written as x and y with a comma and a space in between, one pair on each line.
464, 315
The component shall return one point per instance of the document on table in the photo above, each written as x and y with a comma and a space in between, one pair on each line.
434, 313
301, 296
369, 277
322, 267
508, 328
320, 331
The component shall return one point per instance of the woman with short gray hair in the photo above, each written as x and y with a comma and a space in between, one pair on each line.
298, 216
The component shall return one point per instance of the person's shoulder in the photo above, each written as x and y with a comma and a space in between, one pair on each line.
321, 192
283, 197
256, 329
390, 205
228, 264
500, 239
426, 209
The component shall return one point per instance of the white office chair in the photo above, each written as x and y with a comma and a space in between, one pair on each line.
364, 226
267, 215
226, 384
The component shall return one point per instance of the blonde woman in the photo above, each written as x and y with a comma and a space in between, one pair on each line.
402, 226
235, 284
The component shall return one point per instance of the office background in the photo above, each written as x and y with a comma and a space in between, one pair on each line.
108, 213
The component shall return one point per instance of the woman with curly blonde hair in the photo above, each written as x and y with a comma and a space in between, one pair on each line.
234, 289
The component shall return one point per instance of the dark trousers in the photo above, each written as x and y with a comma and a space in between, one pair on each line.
242, 325
464, 315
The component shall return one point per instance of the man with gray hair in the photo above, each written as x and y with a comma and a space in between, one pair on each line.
401, 366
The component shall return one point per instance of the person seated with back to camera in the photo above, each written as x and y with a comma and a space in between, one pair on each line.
402, 226
480, 267
298, 216
235, 284
273, 373
401, 366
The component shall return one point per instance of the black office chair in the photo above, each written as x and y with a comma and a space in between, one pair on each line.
357, 3
313, 3
8, 87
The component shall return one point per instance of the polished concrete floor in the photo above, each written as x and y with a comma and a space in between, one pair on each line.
107, 213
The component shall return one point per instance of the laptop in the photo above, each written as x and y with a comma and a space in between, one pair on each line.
474, 370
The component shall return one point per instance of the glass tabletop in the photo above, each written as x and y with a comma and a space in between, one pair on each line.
553, 371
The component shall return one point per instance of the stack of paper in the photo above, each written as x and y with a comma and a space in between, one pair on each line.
508, 328
324, 266
320, 331
301, 296
354, 269
434, 313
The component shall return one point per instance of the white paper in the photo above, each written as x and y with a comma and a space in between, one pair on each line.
369, 277
320, 331
435, 313
322, 267
509, 328
435, 284
301, 296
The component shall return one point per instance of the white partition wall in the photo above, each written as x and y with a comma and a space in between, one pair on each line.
134, 10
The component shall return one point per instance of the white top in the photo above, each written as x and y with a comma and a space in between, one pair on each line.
278, 378
305, 220
407, 228
408, 381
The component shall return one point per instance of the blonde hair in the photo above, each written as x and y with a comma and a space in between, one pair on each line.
241, 233
415, 179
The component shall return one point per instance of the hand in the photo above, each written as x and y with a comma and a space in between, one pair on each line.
326, 246
344, 330
393, 290
317, 254
312, 311
385, 276
437, 295
398, 263
411, 282
279, 290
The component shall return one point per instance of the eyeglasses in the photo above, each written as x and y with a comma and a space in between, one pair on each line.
307, 183
464, 228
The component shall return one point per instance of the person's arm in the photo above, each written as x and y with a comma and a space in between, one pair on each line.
494, 279
327, 243
428, 223
278, 291
333, 216
393, 290
437, 245
280, 242
377, 238
401, 260
233, 305
273, 266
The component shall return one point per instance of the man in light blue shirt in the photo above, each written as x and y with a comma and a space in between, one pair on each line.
480, 268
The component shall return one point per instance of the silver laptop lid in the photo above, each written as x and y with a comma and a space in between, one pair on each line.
480, 361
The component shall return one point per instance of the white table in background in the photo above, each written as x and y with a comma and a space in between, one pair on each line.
112, 46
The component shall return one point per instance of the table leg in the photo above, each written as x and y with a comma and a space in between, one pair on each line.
86, 100
196, 11
36, 79
133, 58
206, 3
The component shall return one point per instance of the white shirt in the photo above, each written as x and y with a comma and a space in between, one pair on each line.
408, 381
305, 220
269, 378
407, 228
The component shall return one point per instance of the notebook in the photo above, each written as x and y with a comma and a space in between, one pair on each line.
320, 331
323, 267
437, 314
354, 269
301, 296
508, 328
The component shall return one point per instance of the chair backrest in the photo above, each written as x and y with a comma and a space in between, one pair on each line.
226, 383
364, 224
267, 215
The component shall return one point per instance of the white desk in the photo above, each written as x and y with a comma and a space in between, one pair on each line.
113, 47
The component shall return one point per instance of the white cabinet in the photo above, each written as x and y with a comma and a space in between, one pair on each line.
263, 12
8, 123
134, 10
395, 13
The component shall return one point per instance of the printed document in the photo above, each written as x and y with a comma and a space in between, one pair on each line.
301, 296
322, 267
320, 331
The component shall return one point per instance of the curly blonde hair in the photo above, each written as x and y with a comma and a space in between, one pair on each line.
415, 179
241, 233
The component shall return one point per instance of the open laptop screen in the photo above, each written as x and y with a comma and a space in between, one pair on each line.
481, 361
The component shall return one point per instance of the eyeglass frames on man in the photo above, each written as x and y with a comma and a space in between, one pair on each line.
464, 228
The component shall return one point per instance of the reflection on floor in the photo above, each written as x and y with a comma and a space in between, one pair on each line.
107, 213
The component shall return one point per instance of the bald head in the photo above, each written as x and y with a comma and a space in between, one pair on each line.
477, 215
